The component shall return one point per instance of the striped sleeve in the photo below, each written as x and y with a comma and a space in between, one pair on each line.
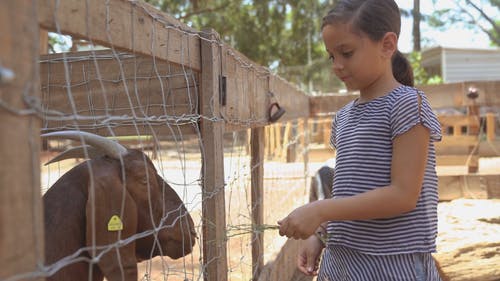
411, 109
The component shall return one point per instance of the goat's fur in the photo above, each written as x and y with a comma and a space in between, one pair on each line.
321, 184
78, 207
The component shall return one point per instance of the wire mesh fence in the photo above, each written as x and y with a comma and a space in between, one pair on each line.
150, 96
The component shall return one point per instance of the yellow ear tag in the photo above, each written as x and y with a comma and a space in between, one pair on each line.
115, 223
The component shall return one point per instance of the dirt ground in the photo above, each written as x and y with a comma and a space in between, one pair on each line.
469, 239
469, 229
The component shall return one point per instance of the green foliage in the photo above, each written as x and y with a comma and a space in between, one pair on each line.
283, 35
58, 43
419, 74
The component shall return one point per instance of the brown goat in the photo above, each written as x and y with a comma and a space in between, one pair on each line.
108, 213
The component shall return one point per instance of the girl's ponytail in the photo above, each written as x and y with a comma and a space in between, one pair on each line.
402, 70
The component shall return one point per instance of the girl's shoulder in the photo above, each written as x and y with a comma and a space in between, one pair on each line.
410, 106
400, 96
404, 93
406, 96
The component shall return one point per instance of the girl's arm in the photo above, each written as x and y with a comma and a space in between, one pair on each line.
409, 157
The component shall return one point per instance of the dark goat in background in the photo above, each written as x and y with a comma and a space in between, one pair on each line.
321, 183
95, 208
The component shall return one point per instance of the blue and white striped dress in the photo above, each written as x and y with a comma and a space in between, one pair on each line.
396, 248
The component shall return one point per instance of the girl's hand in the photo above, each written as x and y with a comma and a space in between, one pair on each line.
301, 222
308, 258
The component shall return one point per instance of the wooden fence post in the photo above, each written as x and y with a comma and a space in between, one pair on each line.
212, 132
44, 41
490, 126
257, 172
21, 217
326, 131
277, 135
473, 129
272, 142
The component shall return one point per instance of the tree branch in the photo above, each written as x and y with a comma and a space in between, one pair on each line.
485, 16
203, 11
488, 32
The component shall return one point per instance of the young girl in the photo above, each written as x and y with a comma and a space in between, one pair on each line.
381, 222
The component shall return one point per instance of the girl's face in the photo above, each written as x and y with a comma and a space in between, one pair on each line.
357, 60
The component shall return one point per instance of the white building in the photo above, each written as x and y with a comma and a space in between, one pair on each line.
459, 64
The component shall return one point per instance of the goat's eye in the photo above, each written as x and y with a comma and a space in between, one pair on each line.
347, 54
332, 58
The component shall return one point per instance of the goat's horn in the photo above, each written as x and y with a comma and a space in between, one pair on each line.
77, 152
109, 147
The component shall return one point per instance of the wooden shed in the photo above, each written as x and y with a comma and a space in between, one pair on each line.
460, 64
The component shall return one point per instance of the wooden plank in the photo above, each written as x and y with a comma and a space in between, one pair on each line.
455, 94
21, 216
490, 126
457, 141
485, 149
247, 86
257, 197
489, 93
287, 139
44, 41
492, 183
251, 89
272, 142
450, 188
132, 26
327, 105
468, 186
120, 93
439, 96
212, 131
139, 28
293, 100
458, 120
473, 111
445, 95
267, 142
279, 148
327, 124
455, 160
302, 124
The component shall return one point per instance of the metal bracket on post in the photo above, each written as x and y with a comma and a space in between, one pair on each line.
222, 90
275, 111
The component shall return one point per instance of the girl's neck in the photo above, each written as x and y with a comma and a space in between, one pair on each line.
378, 89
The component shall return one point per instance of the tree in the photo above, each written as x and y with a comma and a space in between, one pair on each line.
283, 35
420, 76
416, 26
471, 14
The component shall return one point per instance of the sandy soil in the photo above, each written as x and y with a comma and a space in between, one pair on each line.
469, 239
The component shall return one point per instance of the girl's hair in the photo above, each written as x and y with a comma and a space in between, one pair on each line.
374, 18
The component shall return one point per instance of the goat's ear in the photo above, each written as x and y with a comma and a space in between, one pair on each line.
107, 224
